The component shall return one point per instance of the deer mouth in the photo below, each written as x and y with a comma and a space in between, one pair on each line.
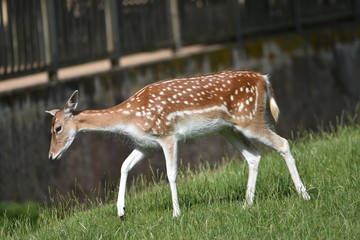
55, 156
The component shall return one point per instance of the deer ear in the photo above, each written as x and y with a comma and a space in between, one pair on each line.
53, 112
72, 103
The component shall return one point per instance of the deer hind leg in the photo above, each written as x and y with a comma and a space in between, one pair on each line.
281, 145
252, 157
169, 146
127, 165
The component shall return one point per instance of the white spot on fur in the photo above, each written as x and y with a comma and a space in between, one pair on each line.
241, 107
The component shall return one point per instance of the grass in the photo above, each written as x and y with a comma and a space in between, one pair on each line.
211, 200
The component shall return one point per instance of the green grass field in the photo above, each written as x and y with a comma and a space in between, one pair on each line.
211, 202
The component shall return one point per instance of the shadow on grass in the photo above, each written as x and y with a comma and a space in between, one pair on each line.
12, 210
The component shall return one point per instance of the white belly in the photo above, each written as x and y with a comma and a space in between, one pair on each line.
193, 128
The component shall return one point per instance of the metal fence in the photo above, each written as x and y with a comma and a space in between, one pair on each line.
207, 21
80, 31
144, 25
21, 38
45, 35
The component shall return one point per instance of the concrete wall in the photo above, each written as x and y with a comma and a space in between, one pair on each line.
315, 77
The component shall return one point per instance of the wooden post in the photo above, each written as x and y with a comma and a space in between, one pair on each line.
112, 31
175, 24
50, 38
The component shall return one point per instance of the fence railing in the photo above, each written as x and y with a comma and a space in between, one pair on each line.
45, 35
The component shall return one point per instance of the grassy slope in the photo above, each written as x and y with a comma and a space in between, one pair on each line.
211, 202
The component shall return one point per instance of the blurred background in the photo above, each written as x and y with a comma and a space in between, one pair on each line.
109, 49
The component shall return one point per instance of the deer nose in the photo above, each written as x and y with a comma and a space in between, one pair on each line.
53, 156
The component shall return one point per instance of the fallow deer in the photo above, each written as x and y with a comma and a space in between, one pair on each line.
161, 114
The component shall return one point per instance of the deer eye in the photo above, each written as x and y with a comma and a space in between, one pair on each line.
58, 129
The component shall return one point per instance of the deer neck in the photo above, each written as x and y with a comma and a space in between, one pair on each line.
100, 120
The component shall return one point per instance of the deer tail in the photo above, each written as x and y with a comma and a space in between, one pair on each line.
274, 109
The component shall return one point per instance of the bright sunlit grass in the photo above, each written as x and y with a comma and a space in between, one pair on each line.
211, 202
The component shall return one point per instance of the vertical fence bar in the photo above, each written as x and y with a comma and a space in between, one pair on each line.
175, 24
14, 36
112, 31
9, 40
50, 41
239, 25
357, 10
298, 15
4, 22
2, 42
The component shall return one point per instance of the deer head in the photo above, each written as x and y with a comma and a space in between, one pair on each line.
63, 129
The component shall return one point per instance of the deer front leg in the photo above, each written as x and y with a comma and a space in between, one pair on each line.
253, 160
169, 146
127, 165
